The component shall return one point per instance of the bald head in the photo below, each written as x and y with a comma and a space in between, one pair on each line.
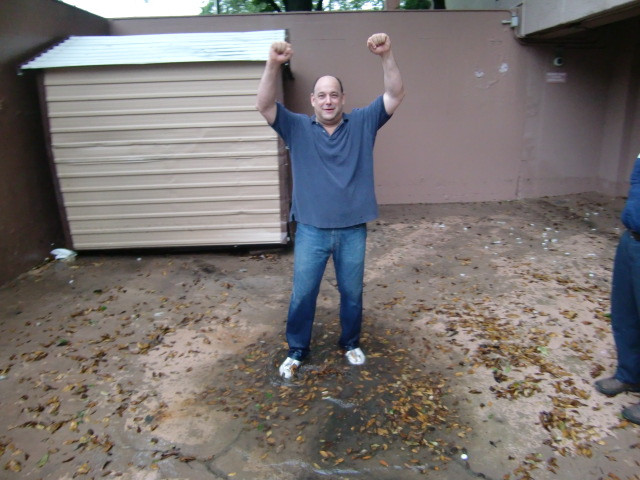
328, 78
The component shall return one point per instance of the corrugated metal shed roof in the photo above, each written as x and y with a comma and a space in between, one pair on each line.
158, 48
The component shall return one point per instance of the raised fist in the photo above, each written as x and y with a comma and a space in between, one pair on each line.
379, 43
281, 52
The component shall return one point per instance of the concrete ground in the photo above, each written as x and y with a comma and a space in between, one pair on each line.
485, 327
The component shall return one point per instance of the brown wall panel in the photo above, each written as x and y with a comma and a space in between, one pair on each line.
29, 215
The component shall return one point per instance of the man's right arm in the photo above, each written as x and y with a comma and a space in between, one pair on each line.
279, 53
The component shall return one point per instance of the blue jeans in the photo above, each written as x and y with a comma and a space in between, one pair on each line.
625, 308
312, 250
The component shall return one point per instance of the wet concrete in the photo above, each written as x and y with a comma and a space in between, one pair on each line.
485, 326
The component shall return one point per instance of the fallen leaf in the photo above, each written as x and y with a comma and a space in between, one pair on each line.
43, 461
13, 465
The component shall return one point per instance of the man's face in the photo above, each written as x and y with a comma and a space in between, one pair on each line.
327, 100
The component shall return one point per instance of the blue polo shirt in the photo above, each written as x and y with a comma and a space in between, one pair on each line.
333, 183
631, 211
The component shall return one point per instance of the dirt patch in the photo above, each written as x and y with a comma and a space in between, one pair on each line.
485, 326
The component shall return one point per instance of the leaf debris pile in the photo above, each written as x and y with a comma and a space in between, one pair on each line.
390, 410
66, 392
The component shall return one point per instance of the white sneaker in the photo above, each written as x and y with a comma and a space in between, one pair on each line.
355, 356
288, 367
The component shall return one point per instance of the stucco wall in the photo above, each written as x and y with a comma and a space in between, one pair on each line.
461, 118
28, 211
482, 119
621, 123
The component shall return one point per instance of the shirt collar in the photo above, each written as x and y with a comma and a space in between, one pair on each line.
345, 118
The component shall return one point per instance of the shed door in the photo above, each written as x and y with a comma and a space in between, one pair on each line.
165, 155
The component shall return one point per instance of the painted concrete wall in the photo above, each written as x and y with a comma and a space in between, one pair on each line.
461, 118
621, 123
581, 133
28, 210
485, 117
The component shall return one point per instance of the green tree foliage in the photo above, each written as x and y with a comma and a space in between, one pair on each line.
354, 5
423, 4
416, 4
221, 7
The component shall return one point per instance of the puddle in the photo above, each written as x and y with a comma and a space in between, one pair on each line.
391, 412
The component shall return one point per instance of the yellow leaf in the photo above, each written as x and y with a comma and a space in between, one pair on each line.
13, 465
383, 463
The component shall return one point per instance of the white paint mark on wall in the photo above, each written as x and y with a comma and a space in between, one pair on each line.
556, 77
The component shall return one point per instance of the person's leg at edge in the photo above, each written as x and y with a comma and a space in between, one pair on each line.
348, 258
311, 253
625, 309
625, 319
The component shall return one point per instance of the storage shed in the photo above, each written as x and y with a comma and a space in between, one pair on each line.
155, 140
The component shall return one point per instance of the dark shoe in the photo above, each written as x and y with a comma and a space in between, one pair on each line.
632, 413
612, 386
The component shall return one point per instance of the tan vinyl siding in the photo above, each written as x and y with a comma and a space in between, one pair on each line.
165, 155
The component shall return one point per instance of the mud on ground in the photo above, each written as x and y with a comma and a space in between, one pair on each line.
485, 326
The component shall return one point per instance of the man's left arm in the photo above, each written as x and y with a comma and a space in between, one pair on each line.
380, 44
